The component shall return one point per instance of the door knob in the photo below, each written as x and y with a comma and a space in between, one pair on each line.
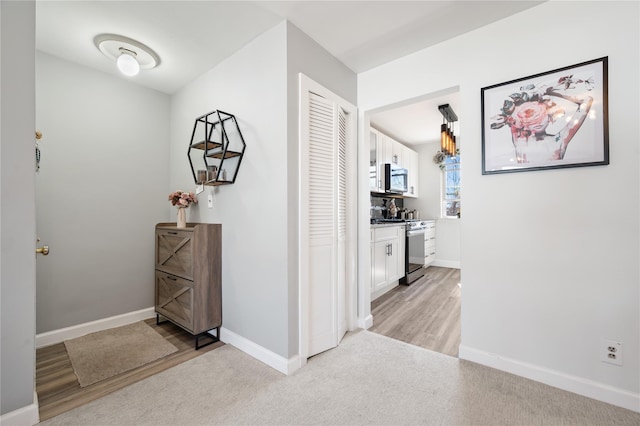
44, 250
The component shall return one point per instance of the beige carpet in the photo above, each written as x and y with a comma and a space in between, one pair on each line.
104, 354
368, 380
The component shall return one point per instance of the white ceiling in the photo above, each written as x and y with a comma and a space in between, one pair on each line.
191, 37
417, 122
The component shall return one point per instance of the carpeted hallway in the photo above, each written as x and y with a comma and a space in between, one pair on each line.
369, 379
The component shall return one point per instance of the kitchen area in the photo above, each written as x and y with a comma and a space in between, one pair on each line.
415, 278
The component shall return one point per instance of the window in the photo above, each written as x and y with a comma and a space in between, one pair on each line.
451, 189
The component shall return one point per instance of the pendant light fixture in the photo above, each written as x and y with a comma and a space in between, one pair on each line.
447, 137
130, 55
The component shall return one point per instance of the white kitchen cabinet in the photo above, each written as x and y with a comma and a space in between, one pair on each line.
387, 258
391, 150
429, 243
384, 149
376, 163
397, 153
385, 144
411, 163
379, 262
387, 149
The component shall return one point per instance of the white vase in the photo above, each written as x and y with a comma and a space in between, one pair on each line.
182, 218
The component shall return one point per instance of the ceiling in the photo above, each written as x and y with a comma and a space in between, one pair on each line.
417, 122
192, 37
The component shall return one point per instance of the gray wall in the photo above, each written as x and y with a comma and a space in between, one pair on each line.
305, 56
259, 212
251, 84
103, 184
17, 285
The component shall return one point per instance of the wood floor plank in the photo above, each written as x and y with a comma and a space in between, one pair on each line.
58, 388
425, 313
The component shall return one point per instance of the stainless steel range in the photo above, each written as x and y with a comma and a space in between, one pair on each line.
414, 251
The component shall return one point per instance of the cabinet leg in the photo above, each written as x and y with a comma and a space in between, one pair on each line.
158, 322
206, 334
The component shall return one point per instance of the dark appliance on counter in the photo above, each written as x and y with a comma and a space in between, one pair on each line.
414, 251
395, 179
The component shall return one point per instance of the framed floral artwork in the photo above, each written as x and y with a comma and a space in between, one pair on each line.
545, 121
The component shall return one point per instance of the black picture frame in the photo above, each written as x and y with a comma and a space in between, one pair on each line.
551, 120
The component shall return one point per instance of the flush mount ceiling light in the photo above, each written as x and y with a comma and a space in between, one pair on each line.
130, 55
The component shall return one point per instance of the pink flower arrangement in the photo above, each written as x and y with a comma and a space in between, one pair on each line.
182, 199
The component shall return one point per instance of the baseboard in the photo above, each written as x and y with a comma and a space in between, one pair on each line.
446, 263
575, 384
56, 336
365, 323
25, 416
264, 355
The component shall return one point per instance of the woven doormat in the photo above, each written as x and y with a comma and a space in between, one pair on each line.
98, 356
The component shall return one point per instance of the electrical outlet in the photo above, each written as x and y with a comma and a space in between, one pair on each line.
612, 352
210, 201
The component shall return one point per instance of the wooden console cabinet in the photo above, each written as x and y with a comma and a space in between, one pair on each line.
188, 277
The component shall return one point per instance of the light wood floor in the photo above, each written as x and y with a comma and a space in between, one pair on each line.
58, 388
425, 313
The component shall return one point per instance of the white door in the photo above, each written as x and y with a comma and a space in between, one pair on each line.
327, 217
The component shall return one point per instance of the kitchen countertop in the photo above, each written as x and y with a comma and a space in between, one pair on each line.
387, 224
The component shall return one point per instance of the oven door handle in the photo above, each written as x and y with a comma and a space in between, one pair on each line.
414, 233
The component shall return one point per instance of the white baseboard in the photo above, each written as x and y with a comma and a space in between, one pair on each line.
575, 384
273, 360
25, 416
56, 336
365, 323
446, 263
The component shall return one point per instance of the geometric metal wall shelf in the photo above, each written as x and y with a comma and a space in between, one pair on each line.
216, 149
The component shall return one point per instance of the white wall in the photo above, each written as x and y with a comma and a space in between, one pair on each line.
17, 278
252, 85
102, 186
550, 258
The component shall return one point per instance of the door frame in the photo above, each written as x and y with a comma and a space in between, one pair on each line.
307, 85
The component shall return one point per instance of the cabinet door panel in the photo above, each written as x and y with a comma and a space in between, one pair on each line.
375, 158
174, 299
397, 154
174, 251
387, 149
393, 264
379, 264
411, 163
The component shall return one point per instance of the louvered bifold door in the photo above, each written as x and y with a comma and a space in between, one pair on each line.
341, 202
322, 181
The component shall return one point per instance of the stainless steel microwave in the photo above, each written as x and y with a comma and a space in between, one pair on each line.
395, 179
